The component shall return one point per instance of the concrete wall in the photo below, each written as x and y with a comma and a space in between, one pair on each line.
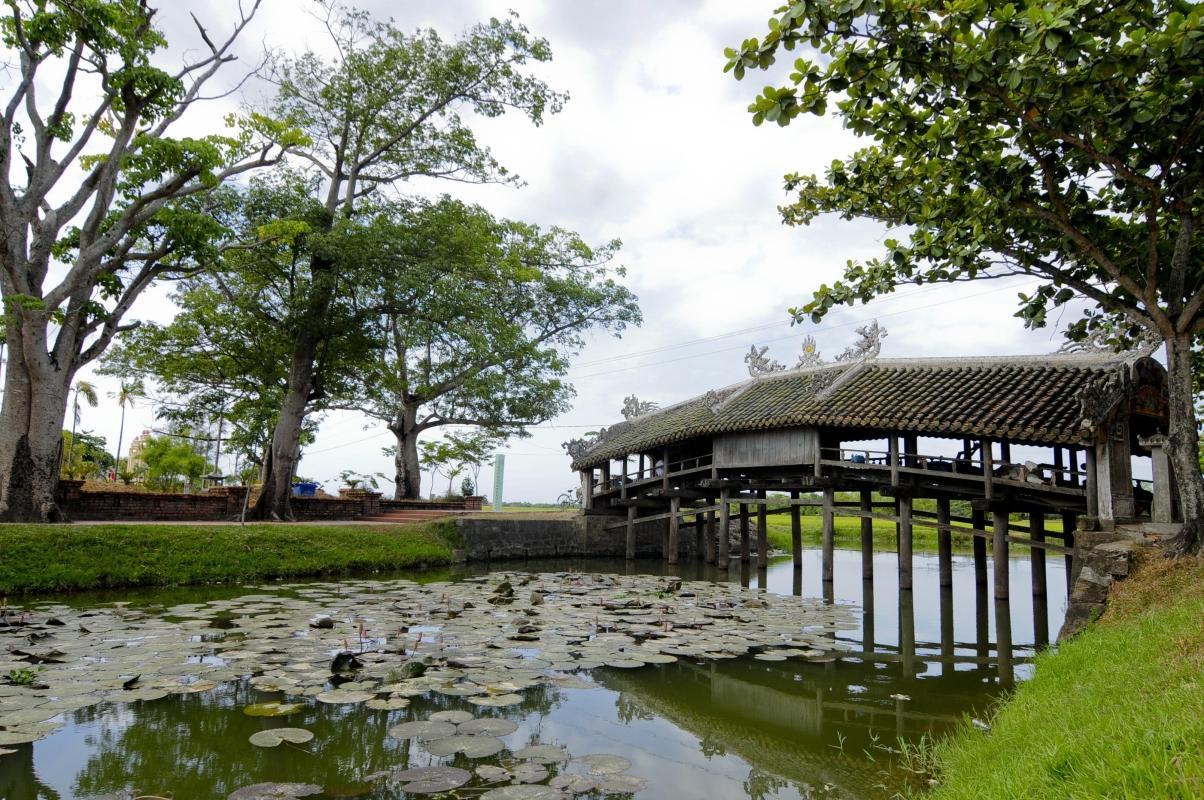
513, 536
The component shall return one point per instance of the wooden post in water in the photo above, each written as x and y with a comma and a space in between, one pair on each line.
709, 533
1003, 641
905, 533
944, 542
725, 519
1036, 527
829, 538
978, 521
999, 553
1070, 522
674, 528
631, 532
907, 633
867, 537
762, 533
796, 531
947, 667
699, 536
744, 550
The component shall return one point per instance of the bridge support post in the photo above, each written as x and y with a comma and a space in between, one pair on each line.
867, 536
630, 532
907, 633
999, 553
1036, 527
978, 521
944, 542
700, 536
796, 532
829, 537
905, 542
744, 550
725, 519
674, 528
709, 535
1070, 522
762, 533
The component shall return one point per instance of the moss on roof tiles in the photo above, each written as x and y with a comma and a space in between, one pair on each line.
1024, 398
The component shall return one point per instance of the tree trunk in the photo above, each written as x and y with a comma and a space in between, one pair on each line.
1183, 445
31, 438
275, 496
407, 472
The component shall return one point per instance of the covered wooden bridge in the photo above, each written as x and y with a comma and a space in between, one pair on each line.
1023, 439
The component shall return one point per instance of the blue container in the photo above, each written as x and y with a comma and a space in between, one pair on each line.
305, 489
858, 458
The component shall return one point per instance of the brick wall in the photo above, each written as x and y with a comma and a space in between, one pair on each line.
216, 504
459, 504
505, 536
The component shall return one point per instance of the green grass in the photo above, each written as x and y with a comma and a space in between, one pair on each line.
1117, 712
45, 558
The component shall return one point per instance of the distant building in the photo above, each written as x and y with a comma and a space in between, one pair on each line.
133, 461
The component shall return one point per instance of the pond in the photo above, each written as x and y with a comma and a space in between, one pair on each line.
589, 679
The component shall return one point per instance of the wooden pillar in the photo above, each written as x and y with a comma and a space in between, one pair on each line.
641, 473
725, 519
944, 542
665, 469
796, 531
762, 533
893, 447
709, 533
829, 537
700, 536
1092, 485
631, 532
911, 449
867, 536
905, 533
1059, 477
978, 521
867, 616
1072, 461
674, 528
947, 666
587, 489
744, 549
1003, 641
988, 470
1069, 523
907, 633
623, 479
606, 476
999, 553
1005, 452
1036, 526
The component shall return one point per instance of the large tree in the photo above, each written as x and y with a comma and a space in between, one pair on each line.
99, 198
486, 314
386, 108
1059, 140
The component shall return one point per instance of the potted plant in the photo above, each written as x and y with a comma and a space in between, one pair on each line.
357, 484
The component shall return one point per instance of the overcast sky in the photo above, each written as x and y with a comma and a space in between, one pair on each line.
655, 148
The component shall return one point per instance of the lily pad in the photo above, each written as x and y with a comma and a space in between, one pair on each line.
273, 709
604, 763
274, 737
488, 726
387, 703
470, 746
543, 754
432, 780
454, 717
274, 791
523, 791
423, 730
496, 700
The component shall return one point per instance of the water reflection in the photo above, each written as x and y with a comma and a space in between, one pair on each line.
741, 728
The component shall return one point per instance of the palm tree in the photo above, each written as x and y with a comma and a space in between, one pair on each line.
89, 392
125, 397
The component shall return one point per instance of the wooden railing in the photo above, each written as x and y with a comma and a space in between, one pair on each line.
653, 472
1043, 474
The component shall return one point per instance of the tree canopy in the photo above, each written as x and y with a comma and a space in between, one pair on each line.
1057, 140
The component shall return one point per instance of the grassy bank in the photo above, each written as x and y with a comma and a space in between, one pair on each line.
1117, 712
44, 558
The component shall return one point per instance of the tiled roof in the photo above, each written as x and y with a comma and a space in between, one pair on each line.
1025, 399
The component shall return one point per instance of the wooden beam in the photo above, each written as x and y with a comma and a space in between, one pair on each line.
988, 470
999, 553
829, 537
980, 549
762, 533
671, 544
725, 520
630, 532
867, 536
905, 542
944, 543
796, 533
1037, 554
894, 459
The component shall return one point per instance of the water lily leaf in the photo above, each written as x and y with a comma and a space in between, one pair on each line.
273, 709
496, 700
543, 754
489, 726
529, 772
487, 773
454, 717
620, 784
604, 763
274, 791
387, 704
524, 791
423, 730
339, 696
20, 737
277, 736
432, 780
470, 746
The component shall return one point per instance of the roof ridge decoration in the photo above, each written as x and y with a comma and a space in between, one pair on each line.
1100, 396
1096, 343
633, 407
759, 364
